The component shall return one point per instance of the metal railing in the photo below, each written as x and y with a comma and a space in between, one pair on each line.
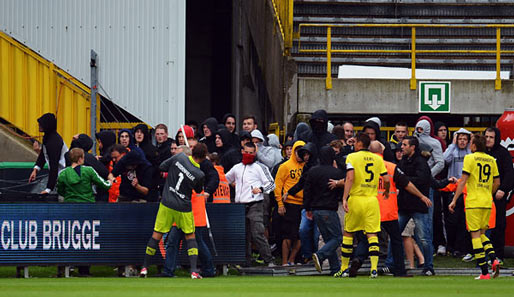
284, 16
413, 51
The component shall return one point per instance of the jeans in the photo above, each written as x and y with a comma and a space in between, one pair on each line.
395, 250
330, 228
422, 232
309, 236
173, 246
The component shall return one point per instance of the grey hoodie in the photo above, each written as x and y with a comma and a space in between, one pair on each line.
454, 156
267, 155
436, 161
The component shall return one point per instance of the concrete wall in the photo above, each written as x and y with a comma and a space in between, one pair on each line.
394, 96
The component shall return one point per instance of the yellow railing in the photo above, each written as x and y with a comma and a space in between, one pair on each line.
284, 15
413, 51
389, 131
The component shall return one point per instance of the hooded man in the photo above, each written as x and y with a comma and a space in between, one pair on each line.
85, 142
436, 160
504, 162
223, 142
229, 121
52, 152
455, 153
267, 155
433, 131
209, 128
144, 142
372, 129
105, 140
321, 203
319, 125
302, 132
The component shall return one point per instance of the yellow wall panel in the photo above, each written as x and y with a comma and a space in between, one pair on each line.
31, 86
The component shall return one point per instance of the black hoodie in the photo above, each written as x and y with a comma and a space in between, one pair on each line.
151, 153
504, 162
319, 124
53, 149
316, 194
388, 153
108, 139
144, 173
210, 141
234, 137
226, 138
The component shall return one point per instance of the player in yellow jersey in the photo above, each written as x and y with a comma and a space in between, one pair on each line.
362, 210
480, 174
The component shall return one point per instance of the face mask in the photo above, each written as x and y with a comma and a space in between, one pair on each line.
248, 158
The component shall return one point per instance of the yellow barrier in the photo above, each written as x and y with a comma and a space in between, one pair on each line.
31, 86
390, 130
412, 51
284, 15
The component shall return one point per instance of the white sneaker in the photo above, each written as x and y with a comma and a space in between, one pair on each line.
144, 272
441, 250
468, 258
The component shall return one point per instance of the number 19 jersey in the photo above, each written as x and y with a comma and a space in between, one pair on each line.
368, 167
482, 169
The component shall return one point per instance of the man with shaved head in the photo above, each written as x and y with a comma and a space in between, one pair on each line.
388, 215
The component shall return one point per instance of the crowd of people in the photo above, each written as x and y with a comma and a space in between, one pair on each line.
325, 193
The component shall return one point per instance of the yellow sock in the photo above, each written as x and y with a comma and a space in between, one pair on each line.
373, 252
346, 252
488, 247
478, 250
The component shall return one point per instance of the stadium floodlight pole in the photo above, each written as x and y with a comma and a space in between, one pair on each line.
94, 91
211, 237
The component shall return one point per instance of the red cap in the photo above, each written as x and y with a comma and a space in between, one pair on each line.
188, 130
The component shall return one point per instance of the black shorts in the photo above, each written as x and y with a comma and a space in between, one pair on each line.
290, 222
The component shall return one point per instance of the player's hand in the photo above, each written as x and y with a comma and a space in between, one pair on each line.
452, 180
284, 197
427, 201
451, 207
135, 182
332, 184
499, 194
206, 195
281, 210
345, 205
308, 215
256, 191
33, 175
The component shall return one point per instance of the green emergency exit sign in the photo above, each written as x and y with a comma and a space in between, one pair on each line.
434, 96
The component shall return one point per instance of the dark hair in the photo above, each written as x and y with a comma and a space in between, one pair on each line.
75, 154
250, 145
200, 151
336, 144
412, 141
214, 158
162, 126
364, 139
120, 148
338, 131
402, 124
491, 129
479, 142
250, 116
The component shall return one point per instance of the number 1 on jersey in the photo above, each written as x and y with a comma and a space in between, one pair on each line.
180, 179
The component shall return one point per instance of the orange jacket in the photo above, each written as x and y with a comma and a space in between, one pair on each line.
222, 194
114, 191
198, 205
453, 188
388, 207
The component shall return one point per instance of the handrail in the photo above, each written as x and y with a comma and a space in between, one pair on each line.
284, 14
413, 51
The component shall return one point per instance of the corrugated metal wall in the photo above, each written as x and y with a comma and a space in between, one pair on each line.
140, 46
31, 86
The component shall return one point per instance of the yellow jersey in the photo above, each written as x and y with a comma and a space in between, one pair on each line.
482, 169
367, 167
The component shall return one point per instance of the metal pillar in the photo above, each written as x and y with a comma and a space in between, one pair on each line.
94, 91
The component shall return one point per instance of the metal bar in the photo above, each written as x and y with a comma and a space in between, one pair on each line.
413, 60
328, 82
498, 81
411, 25
407, 51
117, 126
94, 91
289, 27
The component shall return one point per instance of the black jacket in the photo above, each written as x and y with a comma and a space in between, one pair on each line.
504, 162
144, 173
316, 194
164, 150
212, 178
53, 149
418, 172
234, 137
320, 135
151, 153
226, 139
86, 143
388, 153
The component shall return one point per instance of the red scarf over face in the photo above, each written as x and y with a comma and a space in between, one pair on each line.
248, 158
